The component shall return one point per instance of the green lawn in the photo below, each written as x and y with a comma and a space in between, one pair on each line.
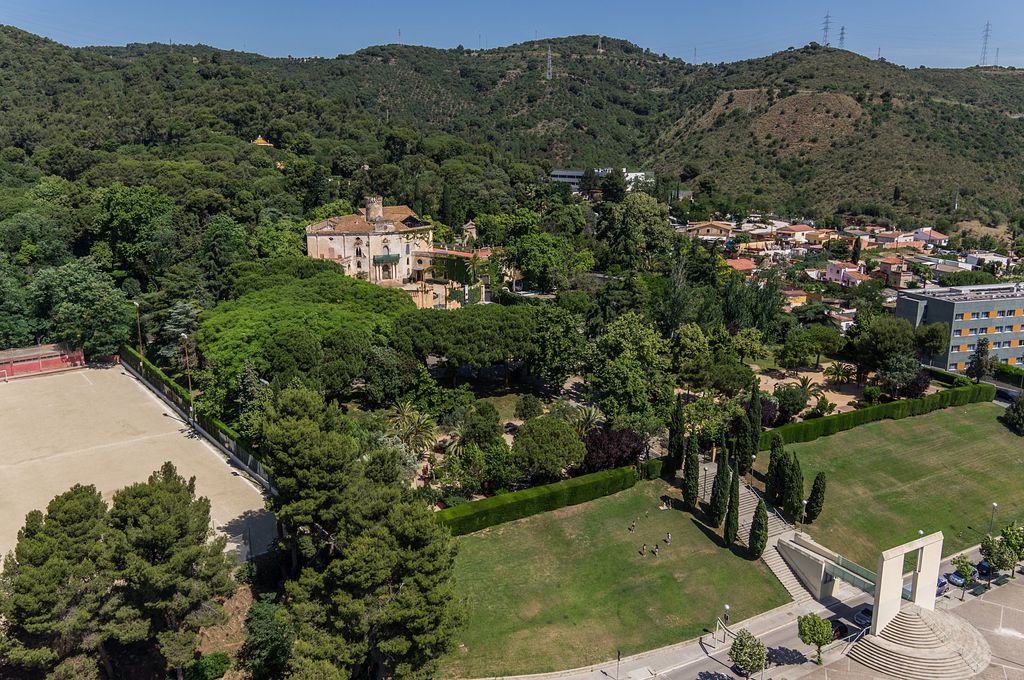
569, 587
506, 405
936, 472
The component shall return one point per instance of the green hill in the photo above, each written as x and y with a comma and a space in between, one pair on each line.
807, 131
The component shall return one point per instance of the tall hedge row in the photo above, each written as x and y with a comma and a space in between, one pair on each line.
1009, 374
470, 517
809, 430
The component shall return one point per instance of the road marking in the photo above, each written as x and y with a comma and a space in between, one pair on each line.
75, 452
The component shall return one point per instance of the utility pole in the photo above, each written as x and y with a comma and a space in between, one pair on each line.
997, 57
842, 37
985, 35
549, 62
694, 55
879, 57
826, 27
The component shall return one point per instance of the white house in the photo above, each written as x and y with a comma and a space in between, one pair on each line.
931, 237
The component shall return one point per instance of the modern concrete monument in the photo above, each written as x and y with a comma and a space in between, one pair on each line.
889, 585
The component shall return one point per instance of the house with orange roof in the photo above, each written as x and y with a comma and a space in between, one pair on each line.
931, 237
794, 233
376, 243
896, 272
742, 265
846, 274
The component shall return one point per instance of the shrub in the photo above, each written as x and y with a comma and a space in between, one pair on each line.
607, 449
209, 667
810, 430
872, 394
1013, 417
792, 400
652, 468
481, 423
529, 407
470, 517
917, 386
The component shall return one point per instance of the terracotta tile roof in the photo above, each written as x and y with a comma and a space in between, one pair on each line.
857, 276
393, 213
797, 227
742, 264
931, 233
357, 224
891, 260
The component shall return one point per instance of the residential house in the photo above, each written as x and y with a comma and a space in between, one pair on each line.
742, 265
981, 259
794, 233
901, 238
931, 237
846, 274
841, 321
708, 231
895, 271
375, 244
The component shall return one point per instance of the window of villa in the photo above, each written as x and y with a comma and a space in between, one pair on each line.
958, 317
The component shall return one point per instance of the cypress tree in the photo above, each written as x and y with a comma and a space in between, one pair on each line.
720, 491
817, 497
855, 256
677, 436
754, 416
691, 473
741, 448
732, 516
774, 479
793, 503
758, 531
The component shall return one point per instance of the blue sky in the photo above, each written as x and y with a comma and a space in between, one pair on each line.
910, 32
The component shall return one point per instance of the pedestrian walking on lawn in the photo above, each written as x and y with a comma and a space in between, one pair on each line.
668, 538
643, 550
655, 549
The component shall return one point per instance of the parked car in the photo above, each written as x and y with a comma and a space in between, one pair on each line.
941, 587
958, 580
864, 615
839, 630
984, 569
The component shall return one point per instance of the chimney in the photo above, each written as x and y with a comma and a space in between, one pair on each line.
374, 208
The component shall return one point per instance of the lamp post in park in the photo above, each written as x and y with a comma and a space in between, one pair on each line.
704, 491
753, 461
803, 517
725, 614
992, 520
188, 372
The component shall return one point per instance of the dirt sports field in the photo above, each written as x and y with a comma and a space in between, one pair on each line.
102, 427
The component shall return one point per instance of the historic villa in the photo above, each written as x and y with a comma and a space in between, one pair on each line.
377, 243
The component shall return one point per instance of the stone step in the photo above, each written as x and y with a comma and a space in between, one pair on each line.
879, 656
785, 575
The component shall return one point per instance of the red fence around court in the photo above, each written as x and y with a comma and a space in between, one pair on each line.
15, 363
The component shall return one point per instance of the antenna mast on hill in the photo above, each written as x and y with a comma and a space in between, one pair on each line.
842, 37
826, 27
985, 35
549, 62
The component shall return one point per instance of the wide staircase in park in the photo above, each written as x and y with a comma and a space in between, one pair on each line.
921, 644
777, 528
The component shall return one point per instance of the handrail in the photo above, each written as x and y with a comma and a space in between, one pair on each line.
771, 508
853, 638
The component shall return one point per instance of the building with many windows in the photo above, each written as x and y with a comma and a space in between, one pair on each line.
376, 243
993, 311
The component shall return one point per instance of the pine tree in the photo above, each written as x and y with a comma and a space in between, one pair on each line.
793, 502
742, 447
691, 474
732, 516
677, 437
816, 500
758, 531
754, 416
720, 491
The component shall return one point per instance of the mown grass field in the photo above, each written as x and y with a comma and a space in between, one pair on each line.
936, 472
569, 587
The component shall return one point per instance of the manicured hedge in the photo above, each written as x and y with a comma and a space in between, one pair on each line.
470, 517
1009, 374
652, 468
945, 377
810, 430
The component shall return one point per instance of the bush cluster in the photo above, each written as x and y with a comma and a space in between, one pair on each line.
470, 517
810, 430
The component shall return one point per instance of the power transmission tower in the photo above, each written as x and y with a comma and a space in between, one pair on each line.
842, 37
826, 27
985, 35
549, 62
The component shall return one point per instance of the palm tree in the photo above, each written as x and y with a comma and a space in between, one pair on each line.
420, 433
809, 387
456, 441
839, 373
586, 419
401, 415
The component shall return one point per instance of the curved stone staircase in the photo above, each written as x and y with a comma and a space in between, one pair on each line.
920, 644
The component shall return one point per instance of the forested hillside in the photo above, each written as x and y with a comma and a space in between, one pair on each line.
807, 131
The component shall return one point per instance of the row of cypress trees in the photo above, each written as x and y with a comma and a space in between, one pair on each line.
784, 483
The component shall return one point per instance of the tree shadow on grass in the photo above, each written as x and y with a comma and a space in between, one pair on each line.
714, 537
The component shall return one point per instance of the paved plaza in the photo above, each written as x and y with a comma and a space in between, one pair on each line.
101, 426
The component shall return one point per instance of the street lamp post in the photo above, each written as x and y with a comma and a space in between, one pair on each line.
753, 460
704, 491
992, 520
803, 518
188, 372
138, 327
725, 616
